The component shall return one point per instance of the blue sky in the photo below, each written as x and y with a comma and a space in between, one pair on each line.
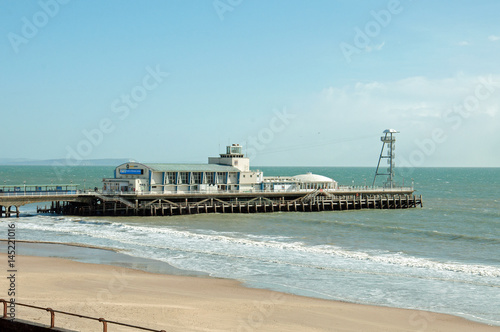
305, 83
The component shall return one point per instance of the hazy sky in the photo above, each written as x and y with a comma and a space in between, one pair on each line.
307, 83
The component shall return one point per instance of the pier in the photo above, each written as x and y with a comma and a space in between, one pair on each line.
226, 184
94, 203
14, 196
314, 201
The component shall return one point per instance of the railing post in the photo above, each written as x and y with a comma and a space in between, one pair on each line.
52, 317
104, 324
4, 308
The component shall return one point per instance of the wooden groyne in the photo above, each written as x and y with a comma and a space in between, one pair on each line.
169, 205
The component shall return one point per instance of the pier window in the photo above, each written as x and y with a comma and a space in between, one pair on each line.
210, 178
221, 177
170, 178
196, 177
183, 178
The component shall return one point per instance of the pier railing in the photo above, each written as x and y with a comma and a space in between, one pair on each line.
40, 193
342, 189
53, 315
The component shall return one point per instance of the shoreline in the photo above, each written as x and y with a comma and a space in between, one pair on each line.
114, 291
103, 255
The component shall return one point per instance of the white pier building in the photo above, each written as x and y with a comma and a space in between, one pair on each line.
230, 172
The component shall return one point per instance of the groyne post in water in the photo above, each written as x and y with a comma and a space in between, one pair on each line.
7, 211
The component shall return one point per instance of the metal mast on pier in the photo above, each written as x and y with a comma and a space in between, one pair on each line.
390, 140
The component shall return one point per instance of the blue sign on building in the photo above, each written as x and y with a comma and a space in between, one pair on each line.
132, 171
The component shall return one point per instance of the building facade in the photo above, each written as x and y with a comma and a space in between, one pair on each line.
230, 172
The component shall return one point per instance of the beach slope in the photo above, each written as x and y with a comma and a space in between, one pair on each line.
183, 303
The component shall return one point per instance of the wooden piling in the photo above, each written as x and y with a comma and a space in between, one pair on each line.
164, 205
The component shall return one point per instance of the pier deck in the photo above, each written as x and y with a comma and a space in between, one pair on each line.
167, 204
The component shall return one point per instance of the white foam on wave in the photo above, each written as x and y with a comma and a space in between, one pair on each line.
262, 247
398, 259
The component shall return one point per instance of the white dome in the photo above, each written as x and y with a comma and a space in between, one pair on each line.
309, 177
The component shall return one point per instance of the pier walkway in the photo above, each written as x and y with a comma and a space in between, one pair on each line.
74, 202
14, 196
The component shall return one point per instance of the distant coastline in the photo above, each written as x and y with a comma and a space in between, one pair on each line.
63, 162
116, 161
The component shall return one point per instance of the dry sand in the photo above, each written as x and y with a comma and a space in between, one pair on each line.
180, 303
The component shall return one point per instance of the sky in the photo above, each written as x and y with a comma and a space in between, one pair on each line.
297, 83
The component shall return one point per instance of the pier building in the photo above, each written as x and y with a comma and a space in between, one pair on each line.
230, 172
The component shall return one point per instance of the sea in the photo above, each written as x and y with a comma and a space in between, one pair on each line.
443, 257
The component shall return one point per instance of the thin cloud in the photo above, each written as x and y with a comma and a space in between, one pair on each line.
414, 102
494, 38
463, 43
417, 105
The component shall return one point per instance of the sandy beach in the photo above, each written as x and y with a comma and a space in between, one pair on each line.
187, 303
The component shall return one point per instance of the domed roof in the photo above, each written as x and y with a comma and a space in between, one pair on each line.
310, 177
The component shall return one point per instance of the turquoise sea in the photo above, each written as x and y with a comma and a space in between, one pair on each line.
444, 257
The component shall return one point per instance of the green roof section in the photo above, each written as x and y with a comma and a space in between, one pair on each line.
191, 168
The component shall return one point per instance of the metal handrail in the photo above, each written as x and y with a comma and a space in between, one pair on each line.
143, 193
53, 312
40, 193
340, 189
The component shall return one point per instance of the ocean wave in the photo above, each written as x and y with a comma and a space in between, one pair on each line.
235, 243
393, 259
423, 232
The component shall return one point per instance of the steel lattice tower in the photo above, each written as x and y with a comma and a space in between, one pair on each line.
388, 139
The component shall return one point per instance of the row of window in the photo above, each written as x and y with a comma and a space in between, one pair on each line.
196, 177
316, 186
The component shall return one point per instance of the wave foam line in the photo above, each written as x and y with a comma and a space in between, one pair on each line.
297, 247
